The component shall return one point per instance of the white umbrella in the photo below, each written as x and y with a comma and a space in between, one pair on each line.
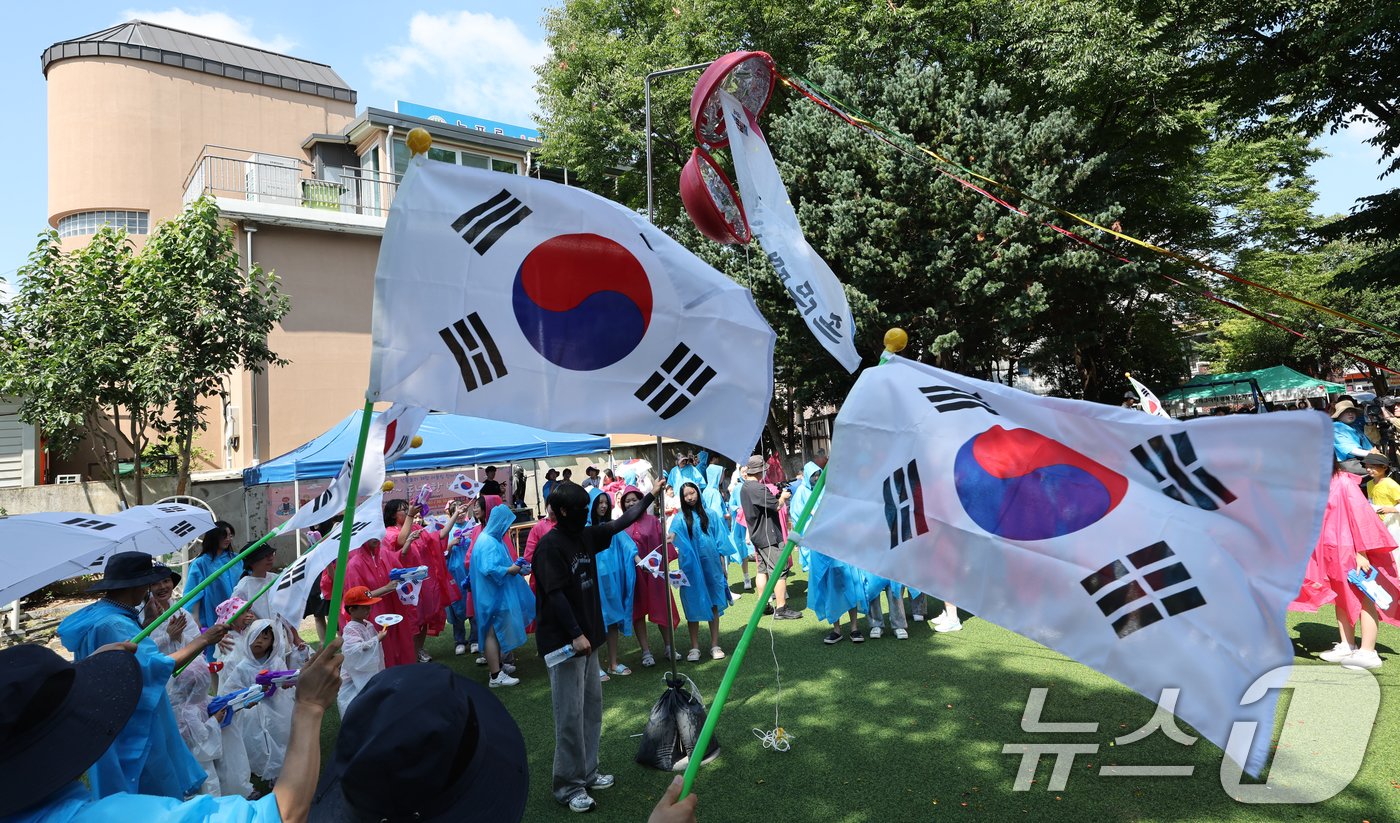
39, 549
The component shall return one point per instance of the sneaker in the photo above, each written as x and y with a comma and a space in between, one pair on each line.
748, 585
918, 618
950, 626
1361, 659
476, 648
508, 668
832, 638
767, 610
693, 656
787, 614
423, 657
716, 653
877, 632
647, 660
901, 634
735, 597
602, 781
581, 802
481, 661
1338, 651
503, 679
856, 636
460, 650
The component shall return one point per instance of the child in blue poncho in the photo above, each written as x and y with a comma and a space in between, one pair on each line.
502, 599
617, 579
697, 535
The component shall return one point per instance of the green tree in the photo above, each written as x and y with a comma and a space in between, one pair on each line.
67, 342
204, 319
100, 342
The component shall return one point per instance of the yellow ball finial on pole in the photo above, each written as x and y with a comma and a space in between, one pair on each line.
895, 340
419, 141
415, 442
388, 486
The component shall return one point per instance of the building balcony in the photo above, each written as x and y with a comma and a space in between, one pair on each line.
285, 191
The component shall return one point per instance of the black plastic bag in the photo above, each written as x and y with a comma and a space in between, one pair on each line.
673, 730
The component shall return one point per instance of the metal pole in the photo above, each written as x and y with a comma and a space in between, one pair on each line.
646, 92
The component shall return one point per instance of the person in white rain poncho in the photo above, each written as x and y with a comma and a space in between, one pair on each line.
265, 646
188, 690
364, 658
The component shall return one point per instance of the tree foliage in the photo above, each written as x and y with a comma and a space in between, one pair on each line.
104, 342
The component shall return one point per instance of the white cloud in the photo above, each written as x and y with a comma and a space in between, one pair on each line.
477, 64
211, 24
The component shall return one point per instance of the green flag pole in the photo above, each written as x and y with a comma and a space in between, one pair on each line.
193, 593
895, 341
234, 619
339, 589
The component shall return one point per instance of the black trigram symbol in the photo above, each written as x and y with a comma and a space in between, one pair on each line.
1142, 576
84, 523
99, 562
474, 350
1172, 477
949, 399
171, 509
293, 574
182, 528
484, 224
678, 381
904, 504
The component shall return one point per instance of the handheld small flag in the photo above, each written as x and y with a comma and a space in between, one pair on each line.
1147, 401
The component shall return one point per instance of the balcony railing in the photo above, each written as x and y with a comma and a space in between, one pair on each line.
288, 181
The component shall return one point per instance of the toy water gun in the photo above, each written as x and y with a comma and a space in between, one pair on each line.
525, 566
421, 500
1369, 587
412, 574
234, 701
271, 679
216, 666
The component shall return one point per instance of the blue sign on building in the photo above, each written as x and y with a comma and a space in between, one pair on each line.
466, 121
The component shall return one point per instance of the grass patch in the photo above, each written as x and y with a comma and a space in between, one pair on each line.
913, 730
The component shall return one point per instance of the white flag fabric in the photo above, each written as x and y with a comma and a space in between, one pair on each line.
390, 436
772, 219
1147, 401
1161, 553
515, 299
288, 595
39, 549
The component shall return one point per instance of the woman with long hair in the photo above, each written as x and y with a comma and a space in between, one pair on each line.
696, 534
652, 599
216, 549
617, 580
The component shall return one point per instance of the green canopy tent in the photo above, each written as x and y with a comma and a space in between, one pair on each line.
1277, 384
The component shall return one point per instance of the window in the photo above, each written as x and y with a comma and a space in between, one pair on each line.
443, 155
476, 161
459, 156
88, 222
507, 166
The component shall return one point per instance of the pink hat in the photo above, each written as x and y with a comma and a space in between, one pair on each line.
226, 609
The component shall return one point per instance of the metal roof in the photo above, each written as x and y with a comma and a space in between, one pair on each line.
444, 131
139, 40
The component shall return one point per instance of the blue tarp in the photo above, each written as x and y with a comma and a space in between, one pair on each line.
449, 441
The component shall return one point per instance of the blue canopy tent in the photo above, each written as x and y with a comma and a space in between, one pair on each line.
449, 441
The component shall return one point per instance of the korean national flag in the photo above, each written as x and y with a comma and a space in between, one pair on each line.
288, 597
1161, 553
515, 299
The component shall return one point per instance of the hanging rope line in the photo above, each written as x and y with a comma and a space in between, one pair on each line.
914, 151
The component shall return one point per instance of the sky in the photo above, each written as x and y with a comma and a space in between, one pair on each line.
475, 58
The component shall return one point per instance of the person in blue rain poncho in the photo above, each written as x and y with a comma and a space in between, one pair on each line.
685, 472
801, 491
713, 498
834, 587
738, 532
874, 587
148, 756
702, 465
698, 535
502, 599
216, 550
617, 580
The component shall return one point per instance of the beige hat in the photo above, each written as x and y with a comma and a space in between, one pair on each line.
1345, 405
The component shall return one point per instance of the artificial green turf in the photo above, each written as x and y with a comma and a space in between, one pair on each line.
913, 730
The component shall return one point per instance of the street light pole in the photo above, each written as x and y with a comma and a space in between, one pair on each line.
646, 91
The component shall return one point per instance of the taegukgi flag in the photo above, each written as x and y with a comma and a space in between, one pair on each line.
390, 436
808, 279
1163, 554
516, 299
1147, 401
288, 596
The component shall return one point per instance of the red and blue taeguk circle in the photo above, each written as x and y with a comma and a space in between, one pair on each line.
1021, 485
583, 301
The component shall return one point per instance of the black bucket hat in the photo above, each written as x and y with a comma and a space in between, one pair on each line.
57, 718
174, 575
128, 570
1375, 459
258, 554
464, 760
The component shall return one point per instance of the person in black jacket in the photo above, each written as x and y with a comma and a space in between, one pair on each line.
569, 613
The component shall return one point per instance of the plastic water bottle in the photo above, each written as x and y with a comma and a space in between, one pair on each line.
559, 655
